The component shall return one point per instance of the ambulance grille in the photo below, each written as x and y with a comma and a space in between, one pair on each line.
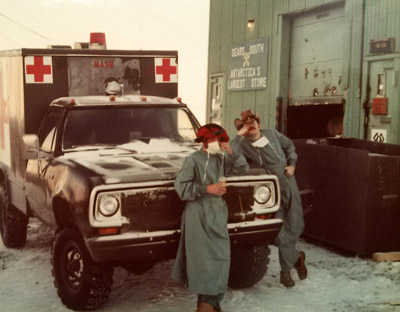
153, 210
161, 209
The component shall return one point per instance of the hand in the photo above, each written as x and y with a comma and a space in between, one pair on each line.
289, 171
244, 130
226, 147
217, 189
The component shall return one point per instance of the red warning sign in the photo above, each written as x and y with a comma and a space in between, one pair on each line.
379, 106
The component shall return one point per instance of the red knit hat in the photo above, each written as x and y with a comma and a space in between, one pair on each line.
210, 131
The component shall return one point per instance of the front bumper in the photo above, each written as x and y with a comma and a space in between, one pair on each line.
132, 246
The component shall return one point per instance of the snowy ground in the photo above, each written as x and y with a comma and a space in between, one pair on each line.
336, 283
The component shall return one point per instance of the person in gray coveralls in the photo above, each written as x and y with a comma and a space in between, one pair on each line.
275, 153
203, 258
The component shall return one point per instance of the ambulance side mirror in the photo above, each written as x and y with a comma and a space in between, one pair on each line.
31, 142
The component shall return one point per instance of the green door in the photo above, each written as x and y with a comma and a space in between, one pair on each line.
216, 99
384, 113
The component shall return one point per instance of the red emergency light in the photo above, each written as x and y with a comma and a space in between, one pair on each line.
97, 40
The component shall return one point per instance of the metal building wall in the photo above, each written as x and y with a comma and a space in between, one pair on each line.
228, 25
382, 20
352, 68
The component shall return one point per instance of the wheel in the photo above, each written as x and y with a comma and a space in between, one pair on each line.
248, 266
13, 223
81, 283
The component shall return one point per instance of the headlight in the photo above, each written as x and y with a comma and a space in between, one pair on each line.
262, 194
108, 205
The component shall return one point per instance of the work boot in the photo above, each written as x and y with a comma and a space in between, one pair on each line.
286, 279
205, 307
300, 266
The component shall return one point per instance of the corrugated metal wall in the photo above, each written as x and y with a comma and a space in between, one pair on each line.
365, 20
228, 24
352, 68
382, 20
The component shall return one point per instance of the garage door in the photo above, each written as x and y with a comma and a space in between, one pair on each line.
316, 56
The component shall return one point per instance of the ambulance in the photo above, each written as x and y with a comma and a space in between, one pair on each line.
91, 142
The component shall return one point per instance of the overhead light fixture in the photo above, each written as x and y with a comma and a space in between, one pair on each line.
250, 23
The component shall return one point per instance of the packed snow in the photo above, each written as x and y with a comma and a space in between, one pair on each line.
336, 283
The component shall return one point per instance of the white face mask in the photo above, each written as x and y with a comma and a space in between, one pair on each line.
213, 148
261, 142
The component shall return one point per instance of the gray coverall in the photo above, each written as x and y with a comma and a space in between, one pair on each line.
274, 157
203, 257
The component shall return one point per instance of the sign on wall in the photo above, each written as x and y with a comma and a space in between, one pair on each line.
381, 46
379, 106
248, 65
379, 135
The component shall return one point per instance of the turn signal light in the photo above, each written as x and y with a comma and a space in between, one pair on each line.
108, 231
263, 216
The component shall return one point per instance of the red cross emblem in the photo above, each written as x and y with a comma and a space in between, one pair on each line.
3, 114
166, 70
38, 69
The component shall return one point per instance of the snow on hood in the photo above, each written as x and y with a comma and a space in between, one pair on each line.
137, 161
156, 146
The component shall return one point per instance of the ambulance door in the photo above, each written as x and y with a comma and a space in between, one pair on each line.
39, 173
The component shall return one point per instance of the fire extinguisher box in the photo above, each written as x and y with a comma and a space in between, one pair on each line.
351, 193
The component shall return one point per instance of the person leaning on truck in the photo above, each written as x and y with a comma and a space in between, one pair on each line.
274, 152
203, 257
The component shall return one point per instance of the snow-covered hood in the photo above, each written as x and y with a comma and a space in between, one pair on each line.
159, 159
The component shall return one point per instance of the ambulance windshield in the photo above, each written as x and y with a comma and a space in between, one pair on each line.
116, 125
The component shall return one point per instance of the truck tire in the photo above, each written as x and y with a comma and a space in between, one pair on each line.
248, 266
13, 223
81, 283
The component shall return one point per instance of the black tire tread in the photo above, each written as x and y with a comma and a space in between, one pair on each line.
248, 266
14, 231
99, 279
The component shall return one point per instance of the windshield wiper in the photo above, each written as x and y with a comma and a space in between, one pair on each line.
91, 146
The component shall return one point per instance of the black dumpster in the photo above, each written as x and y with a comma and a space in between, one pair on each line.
351, 193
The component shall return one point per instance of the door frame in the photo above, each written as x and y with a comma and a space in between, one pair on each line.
212, 79
366, 99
